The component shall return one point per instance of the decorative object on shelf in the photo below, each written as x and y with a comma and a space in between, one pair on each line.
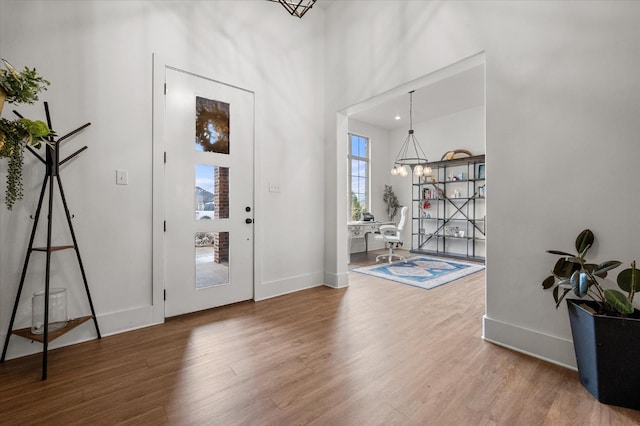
411, 154
456, 153
296, 8
20, 134
391, 201
57, 310
605, 329
481, 171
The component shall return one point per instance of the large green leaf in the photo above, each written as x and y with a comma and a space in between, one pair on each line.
580, 283
618, 301
629, 277
560, 298
548, 282
561, 253
563, 268
606, 266
584, 241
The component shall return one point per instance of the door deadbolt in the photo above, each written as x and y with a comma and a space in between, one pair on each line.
248, 220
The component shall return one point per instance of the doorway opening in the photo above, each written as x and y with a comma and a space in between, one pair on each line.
448, 114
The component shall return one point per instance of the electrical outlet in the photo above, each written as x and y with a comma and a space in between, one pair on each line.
274, 187
122, 177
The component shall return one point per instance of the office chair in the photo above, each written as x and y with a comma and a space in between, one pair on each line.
391, 236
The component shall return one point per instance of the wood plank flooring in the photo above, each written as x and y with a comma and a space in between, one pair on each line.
375, 353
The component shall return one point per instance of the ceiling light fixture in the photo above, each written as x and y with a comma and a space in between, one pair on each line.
295, 7
411, 154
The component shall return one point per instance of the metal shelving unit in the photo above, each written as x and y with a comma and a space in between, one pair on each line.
448, 209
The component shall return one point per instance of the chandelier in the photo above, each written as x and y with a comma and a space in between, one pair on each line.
295, 7
411, 155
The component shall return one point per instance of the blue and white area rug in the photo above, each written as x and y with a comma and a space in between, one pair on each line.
421, 271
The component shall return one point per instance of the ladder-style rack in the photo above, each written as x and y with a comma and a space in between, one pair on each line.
52, 162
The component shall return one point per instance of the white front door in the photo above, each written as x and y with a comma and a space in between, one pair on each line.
209, 134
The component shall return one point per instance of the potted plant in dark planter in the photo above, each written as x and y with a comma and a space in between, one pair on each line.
604, 324
18, 134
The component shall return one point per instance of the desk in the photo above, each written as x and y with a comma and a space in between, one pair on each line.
362, 230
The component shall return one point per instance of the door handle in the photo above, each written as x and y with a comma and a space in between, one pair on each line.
248, 220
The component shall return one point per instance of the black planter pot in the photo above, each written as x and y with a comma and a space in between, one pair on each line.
608, 354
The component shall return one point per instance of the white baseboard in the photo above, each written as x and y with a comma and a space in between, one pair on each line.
553, 349
111, 323
275, 288
336, 280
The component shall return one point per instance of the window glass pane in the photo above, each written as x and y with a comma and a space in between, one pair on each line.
212, 258
355, 184
359, 175
211, 200
362, 152
362, 168
354, 145
212, 126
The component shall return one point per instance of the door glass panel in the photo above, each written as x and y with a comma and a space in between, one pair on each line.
211, 194
212, 126
212, 259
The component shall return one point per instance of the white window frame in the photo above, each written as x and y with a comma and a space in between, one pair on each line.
367, 160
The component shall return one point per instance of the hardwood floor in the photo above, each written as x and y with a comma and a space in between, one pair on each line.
375, 353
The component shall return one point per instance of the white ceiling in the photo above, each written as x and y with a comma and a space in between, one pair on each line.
447, 96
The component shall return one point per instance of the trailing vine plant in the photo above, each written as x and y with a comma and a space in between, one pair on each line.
15, 135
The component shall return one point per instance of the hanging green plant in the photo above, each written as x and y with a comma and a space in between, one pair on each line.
20, 87
15, 136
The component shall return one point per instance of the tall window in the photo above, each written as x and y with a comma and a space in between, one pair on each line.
359, 175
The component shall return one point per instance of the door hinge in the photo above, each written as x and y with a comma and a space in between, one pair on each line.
165, 226
165, 88
165, 157
165, 295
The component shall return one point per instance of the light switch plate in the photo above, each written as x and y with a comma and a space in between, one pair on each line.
122, 177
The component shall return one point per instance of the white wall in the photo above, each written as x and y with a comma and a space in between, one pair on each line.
98, 56
562, 128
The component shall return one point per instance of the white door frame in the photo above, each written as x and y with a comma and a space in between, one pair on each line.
160, 64
341, 274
